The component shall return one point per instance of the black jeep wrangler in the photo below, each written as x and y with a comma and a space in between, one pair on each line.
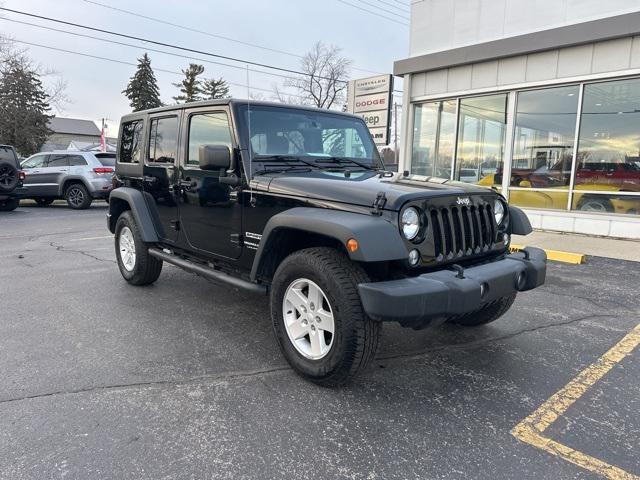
11, 179
295, 203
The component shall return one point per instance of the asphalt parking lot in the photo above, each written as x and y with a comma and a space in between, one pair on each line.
184, 379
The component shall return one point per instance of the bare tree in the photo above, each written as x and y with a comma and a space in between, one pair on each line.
325, 82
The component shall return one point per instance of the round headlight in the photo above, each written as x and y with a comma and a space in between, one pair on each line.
498, 211
410, 223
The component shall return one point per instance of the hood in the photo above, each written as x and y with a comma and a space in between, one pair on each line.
362, 188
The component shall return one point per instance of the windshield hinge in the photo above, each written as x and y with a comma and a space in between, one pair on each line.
379, 203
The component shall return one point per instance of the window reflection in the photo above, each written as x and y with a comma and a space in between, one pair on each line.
544, 136
481, 137
433, 139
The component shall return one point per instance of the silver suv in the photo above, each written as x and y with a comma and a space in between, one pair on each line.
77, 177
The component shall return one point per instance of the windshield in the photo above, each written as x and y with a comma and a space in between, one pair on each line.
310, 135
107, 159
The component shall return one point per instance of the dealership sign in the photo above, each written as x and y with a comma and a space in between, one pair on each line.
370, 98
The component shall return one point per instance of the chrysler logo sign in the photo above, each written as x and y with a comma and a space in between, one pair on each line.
463, 201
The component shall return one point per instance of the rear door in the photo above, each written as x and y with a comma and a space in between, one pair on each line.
33, 168
159, 172
53, 173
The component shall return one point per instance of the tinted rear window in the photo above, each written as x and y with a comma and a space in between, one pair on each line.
107, 159
7, 153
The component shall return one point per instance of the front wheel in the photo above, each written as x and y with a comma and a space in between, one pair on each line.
487, 314
135, 264
317, 316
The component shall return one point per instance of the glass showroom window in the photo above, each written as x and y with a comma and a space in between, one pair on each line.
481, 131
434, 130
544, 135
608, 161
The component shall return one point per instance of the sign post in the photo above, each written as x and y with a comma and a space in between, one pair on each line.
371, 98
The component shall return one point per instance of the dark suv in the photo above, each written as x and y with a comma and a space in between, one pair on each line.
295, 203
11, 178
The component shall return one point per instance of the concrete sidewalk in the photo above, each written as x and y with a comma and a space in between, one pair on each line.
588, 245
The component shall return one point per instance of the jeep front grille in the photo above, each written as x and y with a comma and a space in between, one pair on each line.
461, 231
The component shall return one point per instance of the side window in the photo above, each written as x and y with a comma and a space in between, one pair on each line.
207, 129
130, 145
58, 161
163, 140
37, 161
77, 161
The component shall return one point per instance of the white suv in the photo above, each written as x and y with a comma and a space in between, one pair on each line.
78, 177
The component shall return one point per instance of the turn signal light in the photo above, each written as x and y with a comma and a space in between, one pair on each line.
103, 170
352, 245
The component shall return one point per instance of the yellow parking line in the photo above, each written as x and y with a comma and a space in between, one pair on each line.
556, 255
531, 428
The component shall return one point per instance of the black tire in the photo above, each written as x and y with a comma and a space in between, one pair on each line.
9, 205
355, 338
77, 196
43, 201
8, 177
487, 314
146, 269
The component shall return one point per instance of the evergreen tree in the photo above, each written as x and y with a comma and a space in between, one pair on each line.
191, 86
142, 90
24, 107
213, 89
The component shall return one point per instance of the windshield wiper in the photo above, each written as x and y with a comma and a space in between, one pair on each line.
341, 160
283, 158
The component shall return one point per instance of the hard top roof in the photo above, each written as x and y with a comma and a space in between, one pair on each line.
230, 101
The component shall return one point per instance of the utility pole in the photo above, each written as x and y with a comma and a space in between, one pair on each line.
395, 131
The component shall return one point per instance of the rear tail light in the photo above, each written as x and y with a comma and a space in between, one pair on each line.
103, 170
21, 175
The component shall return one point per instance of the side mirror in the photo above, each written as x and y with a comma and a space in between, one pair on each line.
214, 157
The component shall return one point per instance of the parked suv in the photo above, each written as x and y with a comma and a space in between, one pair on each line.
77, 177
294, 203
11, 177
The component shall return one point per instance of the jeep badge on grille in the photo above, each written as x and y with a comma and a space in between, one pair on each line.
464, 201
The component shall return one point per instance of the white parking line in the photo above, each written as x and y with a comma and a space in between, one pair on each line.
89, 238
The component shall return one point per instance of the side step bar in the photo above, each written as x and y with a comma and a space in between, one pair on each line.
207, 272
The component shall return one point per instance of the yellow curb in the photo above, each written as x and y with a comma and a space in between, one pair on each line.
556, 255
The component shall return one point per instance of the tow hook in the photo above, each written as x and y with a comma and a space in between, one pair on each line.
459, 269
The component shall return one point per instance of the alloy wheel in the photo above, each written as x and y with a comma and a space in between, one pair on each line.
127, 249
308, 319
75, 196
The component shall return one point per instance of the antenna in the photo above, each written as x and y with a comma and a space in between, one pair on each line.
252, 201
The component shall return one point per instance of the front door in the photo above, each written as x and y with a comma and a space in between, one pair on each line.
159, 173
33, 168
210, 214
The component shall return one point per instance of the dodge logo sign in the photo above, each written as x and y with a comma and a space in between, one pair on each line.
463, 201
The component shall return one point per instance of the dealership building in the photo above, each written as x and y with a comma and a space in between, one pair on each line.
540, 100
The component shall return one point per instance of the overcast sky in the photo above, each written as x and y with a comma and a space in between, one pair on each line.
291, 26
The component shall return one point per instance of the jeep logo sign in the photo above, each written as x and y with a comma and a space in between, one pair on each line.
464, 201
370, 98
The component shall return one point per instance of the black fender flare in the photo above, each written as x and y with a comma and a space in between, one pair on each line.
139, 208
378, 239
519, 222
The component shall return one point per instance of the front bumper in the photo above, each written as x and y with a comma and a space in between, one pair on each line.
419, 301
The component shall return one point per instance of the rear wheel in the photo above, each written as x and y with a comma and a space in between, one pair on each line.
135, 264
77, 196
487, 314
9, 205
317, 316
